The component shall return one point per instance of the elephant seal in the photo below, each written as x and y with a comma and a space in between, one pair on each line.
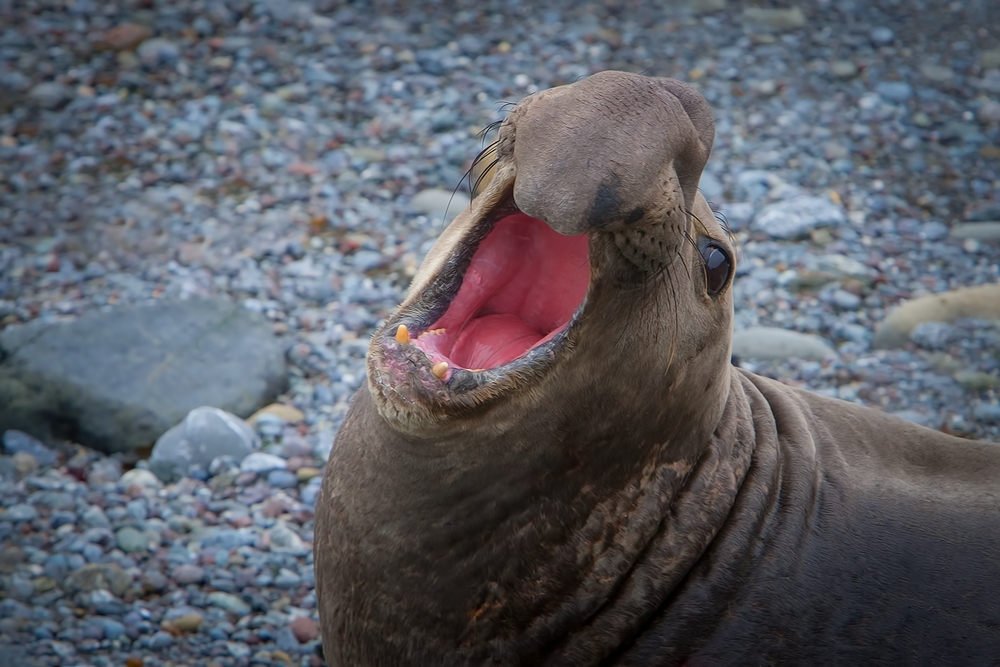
554, 461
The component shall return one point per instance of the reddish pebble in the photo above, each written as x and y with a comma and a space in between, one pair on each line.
304, 629
297, 462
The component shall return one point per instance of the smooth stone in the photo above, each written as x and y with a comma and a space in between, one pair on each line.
843, 69
283, 539
238, 650
20, 512
882, 36
112, 628
131, 540
310, 491
205, 434
981, 302
774, 19
796, 217
840, 266
229, 602
158, 52
286, 413
772, 343
94, 517
980, 231
259, 462
987, 412
106, 602
154, 581
15, 442
846, 300
707, 6
937, 73
161, 640
187, 622
105, 471
990, 59
188, 574
977, 381
25, 463
305, 629
50, 95
307, 473
437, 204
894, 91
119, 379
989, 112
282, 479
287, 579
294, 446
984, 212
143, 479
126, 36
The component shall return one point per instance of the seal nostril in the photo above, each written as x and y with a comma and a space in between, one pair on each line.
717, 268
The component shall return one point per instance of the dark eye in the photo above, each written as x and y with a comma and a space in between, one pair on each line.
717, 268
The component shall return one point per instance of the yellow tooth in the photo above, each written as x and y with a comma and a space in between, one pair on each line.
478, 370
440, 370
435, 331
403, 335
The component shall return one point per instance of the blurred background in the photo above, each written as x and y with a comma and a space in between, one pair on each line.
215, 202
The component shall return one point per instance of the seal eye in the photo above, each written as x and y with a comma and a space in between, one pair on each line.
717, 268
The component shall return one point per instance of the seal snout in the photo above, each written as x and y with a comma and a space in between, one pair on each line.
608, 151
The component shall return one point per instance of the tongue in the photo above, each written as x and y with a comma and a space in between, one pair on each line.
493, 340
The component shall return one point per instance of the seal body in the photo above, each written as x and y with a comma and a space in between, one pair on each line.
554, 461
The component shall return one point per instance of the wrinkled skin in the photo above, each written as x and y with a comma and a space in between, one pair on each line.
635, 499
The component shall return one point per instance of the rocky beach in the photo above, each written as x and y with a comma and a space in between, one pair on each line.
207, 207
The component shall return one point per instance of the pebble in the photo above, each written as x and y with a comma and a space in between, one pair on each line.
843, 69
305, 629
49, 95
188, 574
131, 540
140, 478
229, 602
796, 217
16, 442
259, 462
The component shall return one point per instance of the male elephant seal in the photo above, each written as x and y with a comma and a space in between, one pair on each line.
555, 463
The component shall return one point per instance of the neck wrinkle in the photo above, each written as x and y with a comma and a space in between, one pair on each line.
691, 503
769, 516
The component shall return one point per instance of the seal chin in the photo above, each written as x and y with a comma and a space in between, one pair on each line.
498, 312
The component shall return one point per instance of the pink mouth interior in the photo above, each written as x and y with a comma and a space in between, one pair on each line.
523, 285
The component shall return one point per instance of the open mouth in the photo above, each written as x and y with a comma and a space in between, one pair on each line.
519, 291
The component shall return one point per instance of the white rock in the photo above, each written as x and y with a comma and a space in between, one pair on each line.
144, 479
772, 343
796, 217
260, 462
283, 539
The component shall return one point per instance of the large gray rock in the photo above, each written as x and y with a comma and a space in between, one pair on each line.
117, 380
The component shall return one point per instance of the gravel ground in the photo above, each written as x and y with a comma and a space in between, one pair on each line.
270, 151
